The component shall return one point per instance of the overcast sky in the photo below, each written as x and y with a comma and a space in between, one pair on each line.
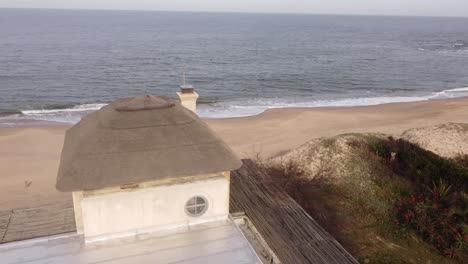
373, 7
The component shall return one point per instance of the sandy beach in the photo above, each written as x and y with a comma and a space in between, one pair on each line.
29, 156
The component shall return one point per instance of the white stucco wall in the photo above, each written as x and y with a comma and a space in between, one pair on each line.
153, 208
77, 198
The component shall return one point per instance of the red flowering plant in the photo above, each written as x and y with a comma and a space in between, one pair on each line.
438, 215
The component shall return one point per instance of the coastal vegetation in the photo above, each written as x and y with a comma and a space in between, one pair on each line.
386, 200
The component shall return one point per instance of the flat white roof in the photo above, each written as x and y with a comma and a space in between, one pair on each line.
217, 242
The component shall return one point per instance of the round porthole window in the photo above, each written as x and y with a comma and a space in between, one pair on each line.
196, 206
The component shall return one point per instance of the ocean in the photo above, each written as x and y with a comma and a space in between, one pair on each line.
58, 65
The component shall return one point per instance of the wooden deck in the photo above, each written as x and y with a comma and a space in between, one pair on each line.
289, 231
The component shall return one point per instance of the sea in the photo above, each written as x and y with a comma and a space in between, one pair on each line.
59, 65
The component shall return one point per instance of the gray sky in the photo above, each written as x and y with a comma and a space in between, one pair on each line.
373, 7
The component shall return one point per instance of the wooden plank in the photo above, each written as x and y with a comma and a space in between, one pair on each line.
47, 220
289, 231
5, 217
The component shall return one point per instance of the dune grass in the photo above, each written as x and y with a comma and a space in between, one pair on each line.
358, 209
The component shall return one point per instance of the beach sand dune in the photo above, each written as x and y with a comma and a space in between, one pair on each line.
29, 156
447, 140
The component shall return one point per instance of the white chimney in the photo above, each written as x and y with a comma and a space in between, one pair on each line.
188, 97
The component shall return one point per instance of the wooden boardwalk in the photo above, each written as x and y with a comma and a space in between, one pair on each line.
289, 231
47, 220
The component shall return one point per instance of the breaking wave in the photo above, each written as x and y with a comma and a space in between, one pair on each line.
62, 115
225, 109
257, 106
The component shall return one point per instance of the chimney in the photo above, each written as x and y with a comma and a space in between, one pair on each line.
188, 97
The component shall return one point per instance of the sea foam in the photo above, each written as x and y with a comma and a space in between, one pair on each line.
257, 106
235, 108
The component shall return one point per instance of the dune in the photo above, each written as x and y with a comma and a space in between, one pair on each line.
447, 140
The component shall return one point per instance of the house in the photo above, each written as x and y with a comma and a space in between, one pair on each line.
143, 164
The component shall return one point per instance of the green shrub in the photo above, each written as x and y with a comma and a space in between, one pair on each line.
437, 216
383, 149
421, 166
461, 160
438, 212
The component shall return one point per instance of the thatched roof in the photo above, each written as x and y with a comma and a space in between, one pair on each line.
140, 139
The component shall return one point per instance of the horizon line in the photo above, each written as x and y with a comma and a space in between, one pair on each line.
232, 12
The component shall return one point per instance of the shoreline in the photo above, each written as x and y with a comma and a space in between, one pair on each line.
6, 122
463, 98
32, 153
